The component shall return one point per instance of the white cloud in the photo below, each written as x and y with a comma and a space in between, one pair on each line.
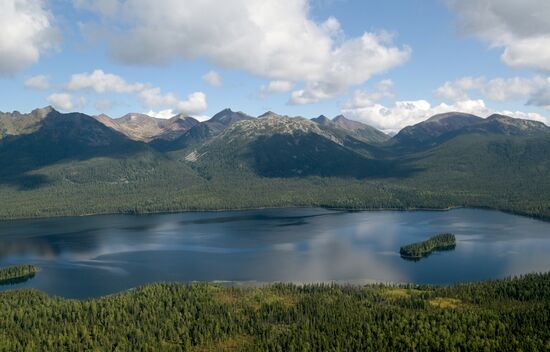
534, 90
27, 31
151, 97
162, 114
313, 93
457, 90
65, 102
275, 87
213, 78
194, 104
405, 113
364, 98
168, 113
355, 62
503, 89
274, 39
40, 82
520, 27
102, 82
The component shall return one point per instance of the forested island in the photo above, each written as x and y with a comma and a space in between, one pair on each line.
17, 273
503, 315
441, 242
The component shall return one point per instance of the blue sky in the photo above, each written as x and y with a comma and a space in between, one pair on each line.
387, 63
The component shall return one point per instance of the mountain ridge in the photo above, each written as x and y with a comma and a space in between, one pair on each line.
72, 164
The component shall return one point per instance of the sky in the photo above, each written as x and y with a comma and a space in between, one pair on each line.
387, 63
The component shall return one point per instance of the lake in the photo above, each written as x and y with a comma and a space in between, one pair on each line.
90, 256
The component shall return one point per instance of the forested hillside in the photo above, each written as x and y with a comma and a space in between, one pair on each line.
507, 315
73, 164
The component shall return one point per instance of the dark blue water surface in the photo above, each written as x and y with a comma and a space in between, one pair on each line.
91, 256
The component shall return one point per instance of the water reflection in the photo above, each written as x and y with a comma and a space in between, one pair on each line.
89, 256
17, 280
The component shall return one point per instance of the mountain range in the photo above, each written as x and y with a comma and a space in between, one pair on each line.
71, 164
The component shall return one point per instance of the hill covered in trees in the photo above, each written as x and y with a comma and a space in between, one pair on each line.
17, 273
440, 242
73, 164
505, 315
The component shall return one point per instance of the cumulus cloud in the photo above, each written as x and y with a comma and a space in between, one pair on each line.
213, 78
65, 102
457, 90
353, 63
151, 97
102, 82
275, 87
27, 32
274, 39
405, 113
40, 82
194, 104
520, 27
363, 98
162, 114
534, 90
169, 113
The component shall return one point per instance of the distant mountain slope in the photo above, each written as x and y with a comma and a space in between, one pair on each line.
79, 165
341, 125
16, 123
442, 127
141, 127
55, 137
427, 132
227, 116
280, 146
506, 125
201, 131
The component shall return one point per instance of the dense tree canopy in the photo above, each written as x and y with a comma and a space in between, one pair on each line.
443, 241
506, 315
16, 272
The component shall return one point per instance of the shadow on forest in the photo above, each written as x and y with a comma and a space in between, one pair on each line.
61, 137
17, 280
285, 155
416, 259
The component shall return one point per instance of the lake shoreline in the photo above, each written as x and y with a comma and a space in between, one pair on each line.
266, 285
273, 245
220, 210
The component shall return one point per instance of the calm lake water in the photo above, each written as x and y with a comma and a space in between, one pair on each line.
91, 256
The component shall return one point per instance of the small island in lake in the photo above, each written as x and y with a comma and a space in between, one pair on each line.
17, 274
418, 250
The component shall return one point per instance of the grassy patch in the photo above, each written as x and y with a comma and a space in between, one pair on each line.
446, 303
234, 343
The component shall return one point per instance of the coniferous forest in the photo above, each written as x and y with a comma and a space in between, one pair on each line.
17, 272
504, 315
443, 241
326, 134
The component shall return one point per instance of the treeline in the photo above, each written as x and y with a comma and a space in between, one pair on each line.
162, 193
443, 241
16, 273
148, 182
505, 315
